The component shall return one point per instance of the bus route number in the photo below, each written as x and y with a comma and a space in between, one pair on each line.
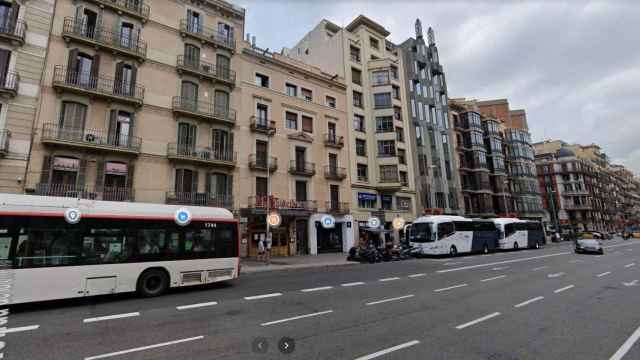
210, 225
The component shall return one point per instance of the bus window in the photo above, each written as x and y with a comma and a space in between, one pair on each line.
509, 229
47, 247
5, 244
104, 246
199, 243
157, 244
464, 225
226, 243
421, 233
445, 230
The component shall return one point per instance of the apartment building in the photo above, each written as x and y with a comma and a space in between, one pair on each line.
381, 161
138, 103
24, 34
436, 181
293, 160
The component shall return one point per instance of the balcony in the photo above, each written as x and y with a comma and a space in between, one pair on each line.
5, 136
282, 205
201, 155
117, 194
333, 140
203, 110
262, 125
117, 42
389, 183
262, 162
136, 9
14, 32
302, 168
200, 199
436, 68
65, 190
98, 87
207, 35
9, 84
336, 207
54, 134
205, 70
335, 173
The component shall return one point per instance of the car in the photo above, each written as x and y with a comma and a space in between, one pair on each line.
591, 235
589, 246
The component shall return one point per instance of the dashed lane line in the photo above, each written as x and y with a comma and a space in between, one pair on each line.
478, 320
525, 303
117, 353
317, 289
357, 283
603, 274
503, 262
557, 291
296, 318
389, 300
389, 279
494, 278
450, 287
110, 317
264, 296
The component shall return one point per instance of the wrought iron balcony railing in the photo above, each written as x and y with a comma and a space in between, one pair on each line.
121, 42
333, 140
135, 8
207, 34
303, 168
200, 199
179, 151
261, 161
9, 83
262, 125
335, 173
272, 202
206, 70
100, 86
204, 110
54, 133
15, 31
337, 207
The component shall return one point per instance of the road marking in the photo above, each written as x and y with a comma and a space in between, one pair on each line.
478, 320
452, 263
110, 317
540, 268
450, 287
630, 265
256, 297
563, 289
626, 346
389, 279
194, 306
574, 261
390, 299
19, 329
612, 246
603, 274
353, 284
525, 303
633, 283
494, 278
417, 275
389, 350
144, 348
317, 289
551, 276
503, 262
499, 268
296, 318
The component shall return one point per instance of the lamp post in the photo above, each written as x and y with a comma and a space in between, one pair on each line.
554, 212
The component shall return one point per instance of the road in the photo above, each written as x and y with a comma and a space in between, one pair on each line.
529, 304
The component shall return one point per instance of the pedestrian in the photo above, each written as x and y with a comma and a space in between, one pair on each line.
261, 249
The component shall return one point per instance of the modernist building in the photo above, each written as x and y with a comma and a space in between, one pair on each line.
24, 35
431, 136
381, 161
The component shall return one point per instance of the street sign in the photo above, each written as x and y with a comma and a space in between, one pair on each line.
398, 223
274, 219
182, 217
328, 222
373, 222
72, 216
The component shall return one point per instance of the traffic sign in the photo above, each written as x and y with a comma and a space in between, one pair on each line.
398, 223
183, 217
373, 222
72, 216
328, 222
274, 219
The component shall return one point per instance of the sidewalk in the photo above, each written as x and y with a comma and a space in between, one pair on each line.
294, 262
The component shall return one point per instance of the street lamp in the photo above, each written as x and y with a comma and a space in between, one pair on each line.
554, 212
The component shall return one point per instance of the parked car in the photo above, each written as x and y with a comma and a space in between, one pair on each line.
589, 246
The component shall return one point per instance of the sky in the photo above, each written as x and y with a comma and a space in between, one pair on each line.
573, 65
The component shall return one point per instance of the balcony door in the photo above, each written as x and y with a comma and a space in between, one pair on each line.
191, 56
262, 114
120, 128
261, 153
221, 102
219, 186
333, 164
87, 21
334, 195
125, 82
7, 16
115, 182
72, 120
5, 57
221, 144
186, 183
301, 191
331, 128
126, 35
194, 21
186, 139
225, 31
189, 95
64, 176
223, 64
300, 158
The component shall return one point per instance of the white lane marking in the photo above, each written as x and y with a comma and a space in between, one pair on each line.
110, 317
574, 261
603, 274
494, 278
256, 297
630, 265
144, 348
525, 303
563, 289
353, 284
626, 346
389, 279
296, 318
551, 276
388, 300
388, 350
503, 262
473, 322
417, 275
19, 329
452, 263
540, 268
317, 289
194, 306
632, 283
450, 287
499, 268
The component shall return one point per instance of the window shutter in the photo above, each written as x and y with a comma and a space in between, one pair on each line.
207, 184
72, 66
46, 169
178, 180
95, 68
15, 10
130, 172
113, 124
82, 172
134, 73
229, 185
117, 84
191, 142
100, 175
194, 182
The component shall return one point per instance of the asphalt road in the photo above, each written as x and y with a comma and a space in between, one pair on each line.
529, 304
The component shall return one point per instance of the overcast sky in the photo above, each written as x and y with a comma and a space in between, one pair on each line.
574, 66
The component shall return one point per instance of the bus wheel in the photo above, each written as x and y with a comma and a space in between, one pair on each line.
453, 251
152, 282
485, 249
515, 246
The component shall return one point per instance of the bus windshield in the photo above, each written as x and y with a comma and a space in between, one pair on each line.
422, 233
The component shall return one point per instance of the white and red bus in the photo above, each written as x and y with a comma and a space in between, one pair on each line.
56, 247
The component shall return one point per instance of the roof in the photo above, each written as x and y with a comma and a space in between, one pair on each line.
55, 206
365, 21
503, 221
436, 219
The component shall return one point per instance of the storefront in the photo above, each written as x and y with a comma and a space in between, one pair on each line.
339, 238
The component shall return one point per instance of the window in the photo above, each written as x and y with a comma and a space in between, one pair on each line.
419, 135
355, 53
262, 114
330, 101
380, 77
384, 124
126, 34
403, 178
373, 42
301, 191
394, 72
445, 230
413, 108
221, 144
194, 22
402, 156
418, 89
388, 173
186, 181
382, 100
262, 80
291, 120
421, 117
403, 203
397, 113
399, 134
291, 90
396, 92
361, 147
225, 31
357, 99
363, 172
386, 202
356, 76
307, 94
358, 123
72, 117
307, 124
367, 201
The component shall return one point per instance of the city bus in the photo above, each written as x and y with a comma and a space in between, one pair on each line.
56, 247
516, 234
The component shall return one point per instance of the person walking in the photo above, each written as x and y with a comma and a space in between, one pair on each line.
261, 249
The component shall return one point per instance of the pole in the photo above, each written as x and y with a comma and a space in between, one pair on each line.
266, 219
554, 212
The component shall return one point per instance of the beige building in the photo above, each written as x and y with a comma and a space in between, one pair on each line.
292, 154
24, 35
382, 178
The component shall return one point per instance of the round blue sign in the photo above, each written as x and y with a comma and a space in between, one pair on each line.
328, 221
183, 217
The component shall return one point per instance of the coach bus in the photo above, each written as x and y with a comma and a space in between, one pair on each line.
453, 235
59, 248
515, 234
